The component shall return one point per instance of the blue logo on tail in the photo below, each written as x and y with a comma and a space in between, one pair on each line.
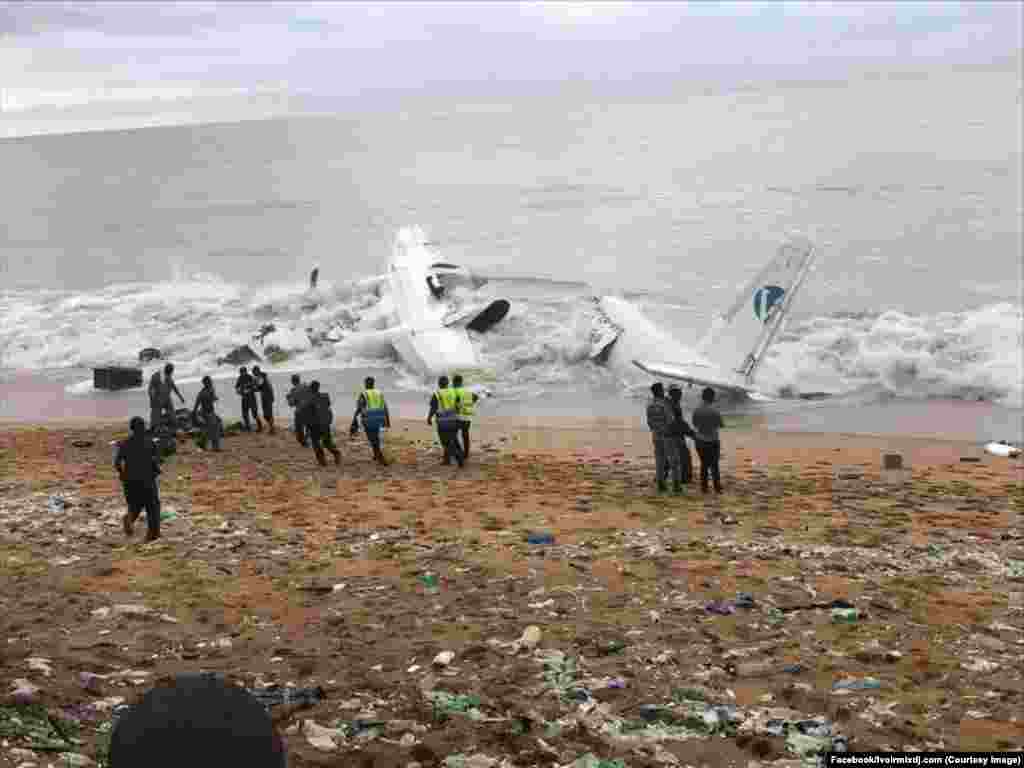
765, 299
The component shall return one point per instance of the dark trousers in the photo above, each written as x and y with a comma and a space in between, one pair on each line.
710, 453
464, 431
321, 438
268, 411
685, 462
373, 437
450, 441
300, 431
249, 407
143, 498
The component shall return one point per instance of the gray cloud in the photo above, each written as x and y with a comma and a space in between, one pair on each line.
340, 49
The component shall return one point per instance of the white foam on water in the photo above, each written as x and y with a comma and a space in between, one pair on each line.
541, 346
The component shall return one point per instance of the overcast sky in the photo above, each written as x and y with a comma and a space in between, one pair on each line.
56, 54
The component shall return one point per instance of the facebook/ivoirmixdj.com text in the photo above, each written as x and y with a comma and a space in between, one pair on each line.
981, 759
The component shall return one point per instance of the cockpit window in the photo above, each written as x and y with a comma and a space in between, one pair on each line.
442, 265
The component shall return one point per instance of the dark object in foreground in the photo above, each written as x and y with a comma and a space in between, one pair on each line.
116, 377
149, 354
199, 721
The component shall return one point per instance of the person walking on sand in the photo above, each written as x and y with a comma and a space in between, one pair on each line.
660, 419
707, 421
204, 413
372, 409
245, 386
298, 397
680, 431
266, 392
467, 403
319, 421
138, 465
445, 405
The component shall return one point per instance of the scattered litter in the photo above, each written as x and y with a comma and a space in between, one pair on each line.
845, 615
444, 658
857, 684
540, 538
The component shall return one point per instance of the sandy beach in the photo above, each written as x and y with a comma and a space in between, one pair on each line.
274, 571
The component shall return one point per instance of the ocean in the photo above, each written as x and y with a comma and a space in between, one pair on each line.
190, 238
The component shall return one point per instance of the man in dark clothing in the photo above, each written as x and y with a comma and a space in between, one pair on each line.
319, 420
266, 392
373, 408
660, 419
445, 405
138, 464
707, 421
203, 413
298, 397
680, 430
165, 406
245, 385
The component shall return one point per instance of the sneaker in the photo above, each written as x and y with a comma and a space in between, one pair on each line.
151, 537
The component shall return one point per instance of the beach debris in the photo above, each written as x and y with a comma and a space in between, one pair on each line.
430, 581
540, 537
149, 354
23, 692
892, 461
82, 443
857, 684
444, 658
455, 704
720, 607
984, 666
590, 760
321, 738
478, 760
36, 664
845, 615
529, 640
239, 356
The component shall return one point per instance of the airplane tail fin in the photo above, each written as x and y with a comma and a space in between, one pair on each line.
740, 336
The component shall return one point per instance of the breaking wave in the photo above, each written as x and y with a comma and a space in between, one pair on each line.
543, 344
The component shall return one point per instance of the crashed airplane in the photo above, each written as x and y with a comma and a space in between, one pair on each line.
734, 347
430, 332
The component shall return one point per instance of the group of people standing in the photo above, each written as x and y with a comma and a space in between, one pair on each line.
669, 431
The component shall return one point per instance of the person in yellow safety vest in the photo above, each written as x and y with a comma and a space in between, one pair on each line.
371, 406
467, 401
445, 405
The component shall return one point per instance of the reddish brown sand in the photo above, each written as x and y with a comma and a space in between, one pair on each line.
621, 552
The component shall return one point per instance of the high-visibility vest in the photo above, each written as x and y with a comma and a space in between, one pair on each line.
374, 399
446, 400
373, 417
465, 403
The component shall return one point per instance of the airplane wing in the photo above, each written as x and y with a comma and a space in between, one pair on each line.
696, 372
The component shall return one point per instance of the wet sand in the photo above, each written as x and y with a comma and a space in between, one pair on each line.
273, 570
